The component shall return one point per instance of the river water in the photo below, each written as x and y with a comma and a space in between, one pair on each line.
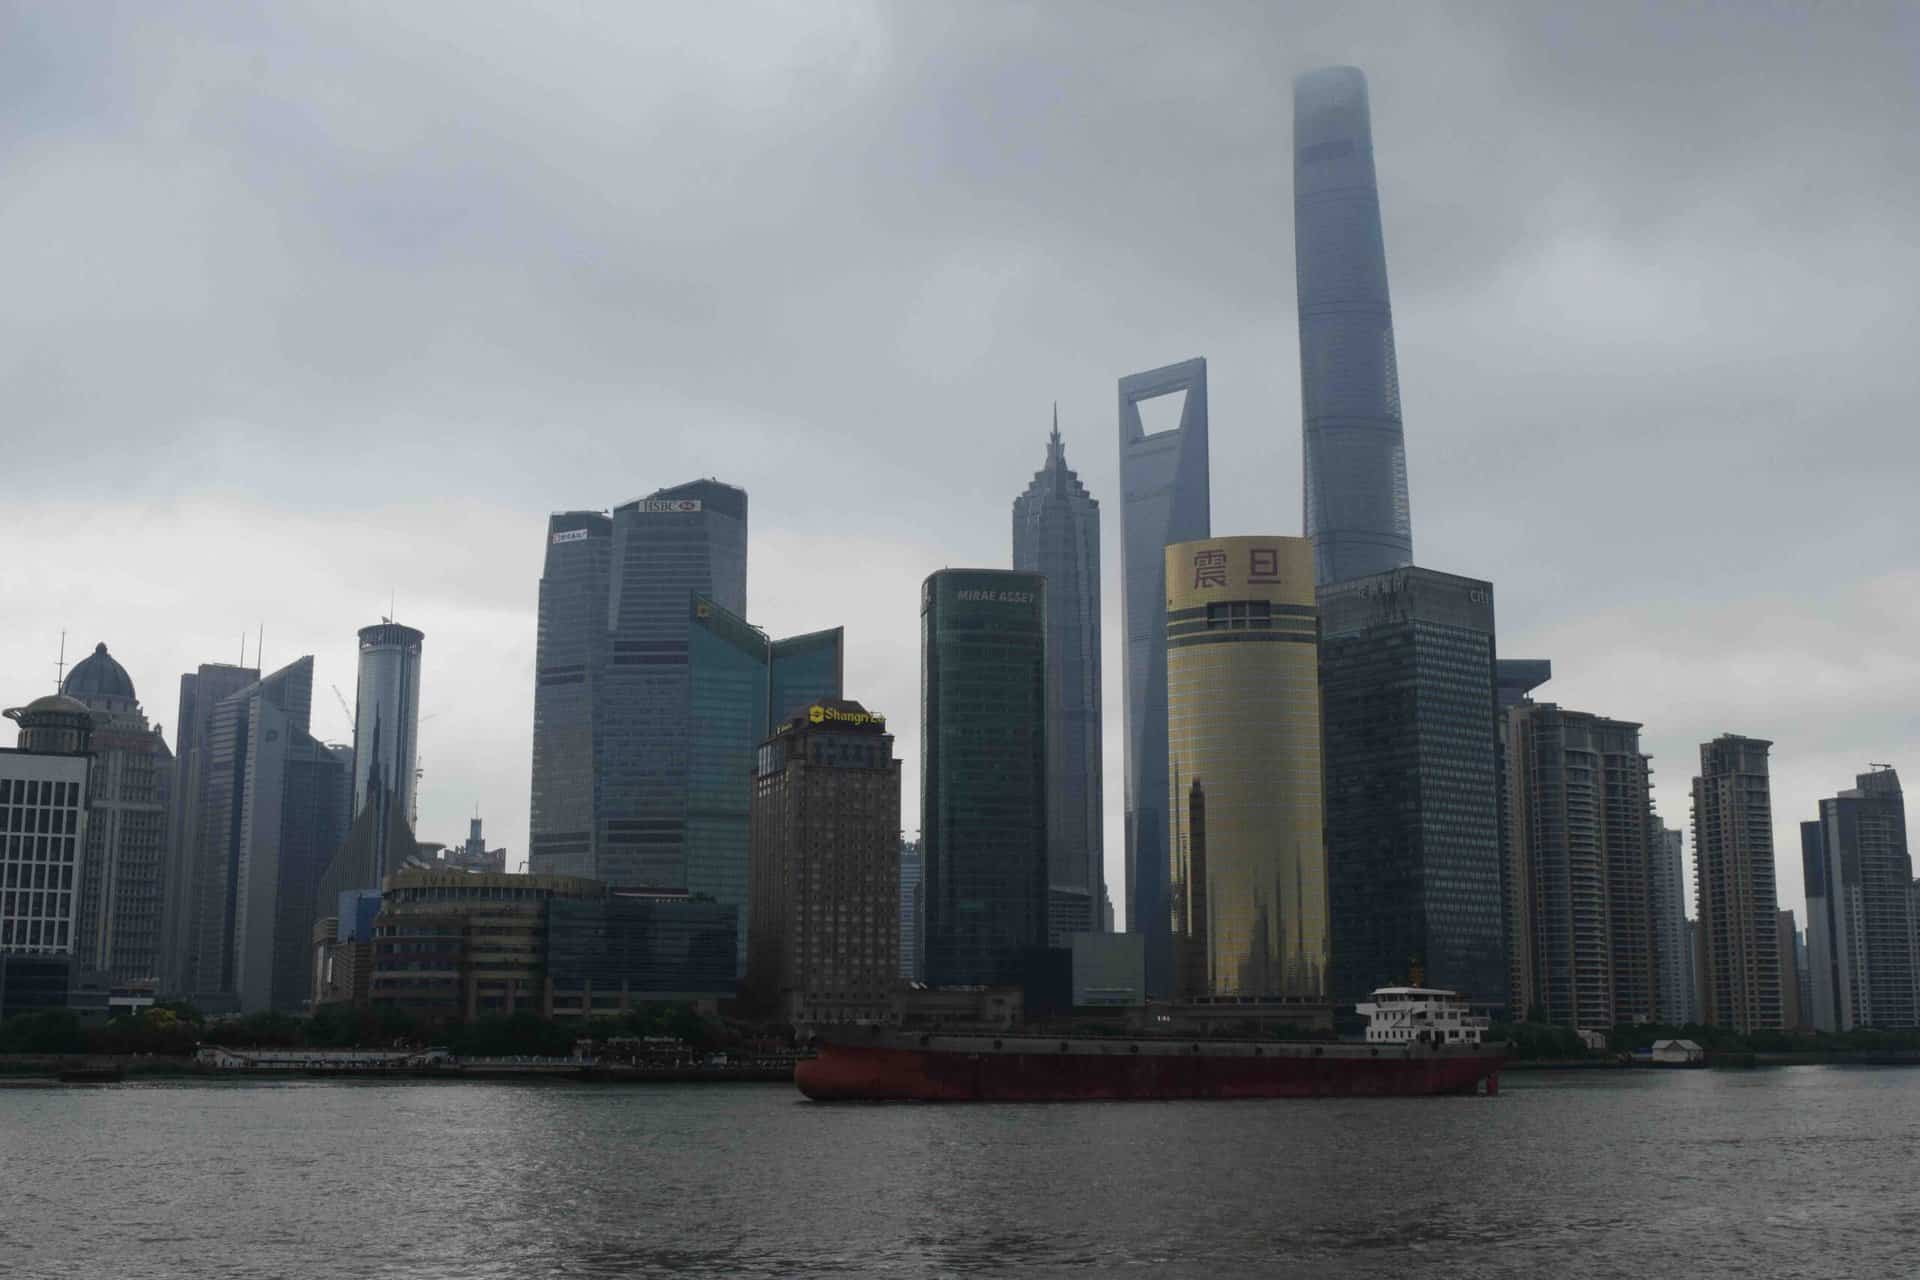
1804, 1171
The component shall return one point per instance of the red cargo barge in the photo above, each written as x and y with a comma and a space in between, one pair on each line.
1421, 1042
983, 1068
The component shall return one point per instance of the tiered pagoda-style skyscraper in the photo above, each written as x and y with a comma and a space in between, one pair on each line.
1056, 533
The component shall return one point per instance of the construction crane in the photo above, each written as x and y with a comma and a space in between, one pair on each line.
353, 721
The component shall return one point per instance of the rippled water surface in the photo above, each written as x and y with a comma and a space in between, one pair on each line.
1786, 1172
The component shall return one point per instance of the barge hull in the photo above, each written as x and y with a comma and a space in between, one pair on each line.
1080, 1072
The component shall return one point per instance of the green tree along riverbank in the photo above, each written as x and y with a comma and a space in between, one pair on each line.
177, 1030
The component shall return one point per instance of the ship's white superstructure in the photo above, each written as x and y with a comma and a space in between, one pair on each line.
1421, 1015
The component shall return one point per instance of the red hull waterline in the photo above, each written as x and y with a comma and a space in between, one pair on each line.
902, 1068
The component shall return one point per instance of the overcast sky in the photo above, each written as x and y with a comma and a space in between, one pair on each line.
315, 306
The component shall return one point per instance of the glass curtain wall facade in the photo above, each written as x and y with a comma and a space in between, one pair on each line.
1165, 498
727, 662
569, 665
1357, 510
607, 954
386, 733
983, 774
1056, 533
1247, 876
612, 700
276, 807
681, 542
1860, 915
1737, 961
200, 692
1407, 671
803, 670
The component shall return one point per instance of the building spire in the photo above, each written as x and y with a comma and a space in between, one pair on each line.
1056, 448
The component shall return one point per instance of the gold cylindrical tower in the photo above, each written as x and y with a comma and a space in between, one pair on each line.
1248, 873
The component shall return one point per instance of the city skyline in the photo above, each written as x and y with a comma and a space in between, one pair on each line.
1718, 645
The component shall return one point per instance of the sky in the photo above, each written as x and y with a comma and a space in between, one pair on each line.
314, 311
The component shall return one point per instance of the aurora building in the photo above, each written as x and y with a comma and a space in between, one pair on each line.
983, 773
1165, 499
1357, 510
1247, 876
1056, 533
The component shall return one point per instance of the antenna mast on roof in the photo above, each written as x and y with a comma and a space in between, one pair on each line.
259, 644
60, 667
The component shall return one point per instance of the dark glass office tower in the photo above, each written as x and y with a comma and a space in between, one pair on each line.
727, 667
1164, 499
803, 670
667, 548
200, 692
612, 702
1356, 505
276, 802
983, 772
1860, 916
1056, 534
1412, 792
571, 657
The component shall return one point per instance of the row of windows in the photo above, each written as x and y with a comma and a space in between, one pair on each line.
50, 934
38, 791
42, 821
40, 848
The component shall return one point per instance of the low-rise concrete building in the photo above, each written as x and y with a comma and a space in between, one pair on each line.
1677, 1052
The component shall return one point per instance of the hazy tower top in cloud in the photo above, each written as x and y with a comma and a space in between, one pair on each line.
1355, 473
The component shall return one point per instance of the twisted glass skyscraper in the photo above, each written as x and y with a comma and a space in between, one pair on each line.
1356, 507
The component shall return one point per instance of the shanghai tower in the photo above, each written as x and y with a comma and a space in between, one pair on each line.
1355, 472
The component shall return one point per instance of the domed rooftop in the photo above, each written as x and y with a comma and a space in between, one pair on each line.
54, 725
98, 676
54, 703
